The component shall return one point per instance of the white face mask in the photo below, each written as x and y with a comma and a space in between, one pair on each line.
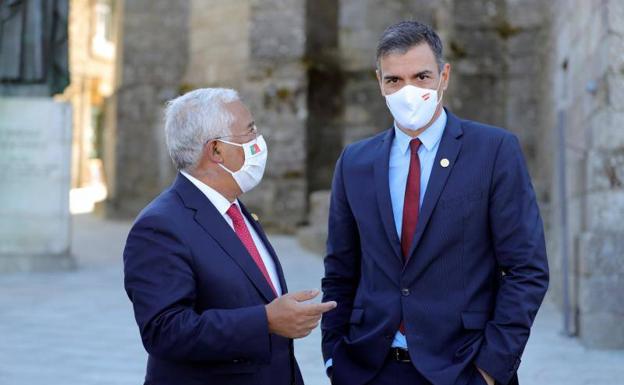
413, 107
252, 170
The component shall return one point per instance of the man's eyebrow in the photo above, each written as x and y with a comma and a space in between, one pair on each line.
390, 77
425, 72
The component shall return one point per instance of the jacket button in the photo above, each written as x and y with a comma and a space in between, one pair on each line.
405, 292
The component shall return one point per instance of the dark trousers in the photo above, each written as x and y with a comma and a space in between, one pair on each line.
398, 373
404, 373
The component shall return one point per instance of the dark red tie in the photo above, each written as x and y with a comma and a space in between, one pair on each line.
411, 201
411, 205
240, 228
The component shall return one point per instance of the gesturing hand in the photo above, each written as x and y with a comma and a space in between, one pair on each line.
289, 317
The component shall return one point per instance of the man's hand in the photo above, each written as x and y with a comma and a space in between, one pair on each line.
488, 379
289, 317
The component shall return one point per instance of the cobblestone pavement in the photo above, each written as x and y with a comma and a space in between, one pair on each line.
76, 328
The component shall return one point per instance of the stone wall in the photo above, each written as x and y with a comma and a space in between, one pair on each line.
324, 102
588, 101
497, 49
306, 70
152, 57
256, 47
361, 23
276, 92
218, 44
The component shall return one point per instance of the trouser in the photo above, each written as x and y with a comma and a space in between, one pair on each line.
398, 372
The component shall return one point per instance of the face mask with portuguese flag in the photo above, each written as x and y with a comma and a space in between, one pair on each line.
252, 170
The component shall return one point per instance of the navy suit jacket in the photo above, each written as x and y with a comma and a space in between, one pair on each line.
477, 271
199, 299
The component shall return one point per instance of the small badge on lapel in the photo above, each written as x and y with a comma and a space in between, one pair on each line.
254, 216
444, 163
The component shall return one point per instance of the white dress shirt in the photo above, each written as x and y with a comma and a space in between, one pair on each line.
222, 204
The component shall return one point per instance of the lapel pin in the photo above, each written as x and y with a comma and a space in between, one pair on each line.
444, 163
254, 216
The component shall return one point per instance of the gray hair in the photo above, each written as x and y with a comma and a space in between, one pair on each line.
193, 119
402, 36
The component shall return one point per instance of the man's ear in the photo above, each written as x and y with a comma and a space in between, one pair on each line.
446, 75
213, 152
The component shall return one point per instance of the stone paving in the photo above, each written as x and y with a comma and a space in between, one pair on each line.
76, 328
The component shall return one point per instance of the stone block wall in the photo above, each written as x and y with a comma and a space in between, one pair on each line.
218, 44
361, 23
306, 70
152, 57
276, 92
588, 68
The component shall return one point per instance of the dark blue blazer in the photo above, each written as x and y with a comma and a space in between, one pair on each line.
199, 299
477, 271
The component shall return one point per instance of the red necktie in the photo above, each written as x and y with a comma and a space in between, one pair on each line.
411, 205
240, 228
411, 201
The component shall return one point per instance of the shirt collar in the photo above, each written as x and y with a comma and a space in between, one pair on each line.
429, 138
219, 201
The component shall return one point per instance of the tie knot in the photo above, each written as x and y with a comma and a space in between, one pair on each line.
415, 144
234, 213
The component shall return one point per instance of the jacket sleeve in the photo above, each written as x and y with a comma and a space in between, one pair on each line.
160, 282
518, 240
342, 264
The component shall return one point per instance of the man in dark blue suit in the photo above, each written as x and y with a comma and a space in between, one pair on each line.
208, 291
436, 252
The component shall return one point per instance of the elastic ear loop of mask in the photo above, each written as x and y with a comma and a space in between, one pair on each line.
232, 143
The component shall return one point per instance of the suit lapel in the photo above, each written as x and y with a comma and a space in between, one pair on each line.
382, 188
450, 145
209, 218
267, 244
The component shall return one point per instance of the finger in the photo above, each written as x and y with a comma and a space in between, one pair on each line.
304, 295
319, 308
304, 333
312, 318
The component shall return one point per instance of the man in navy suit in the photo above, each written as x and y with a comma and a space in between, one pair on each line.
208, 291
435, 254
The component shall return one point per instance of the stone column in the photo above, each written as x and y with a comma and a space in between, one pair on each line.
276, 92
260, 51
152, 59
325, 81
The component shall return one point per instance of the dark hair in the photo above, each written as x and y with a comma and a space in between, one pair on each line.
402, 36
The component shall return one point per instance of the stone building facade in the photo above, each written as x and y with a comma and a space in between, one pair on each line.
586, 102
306, 69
